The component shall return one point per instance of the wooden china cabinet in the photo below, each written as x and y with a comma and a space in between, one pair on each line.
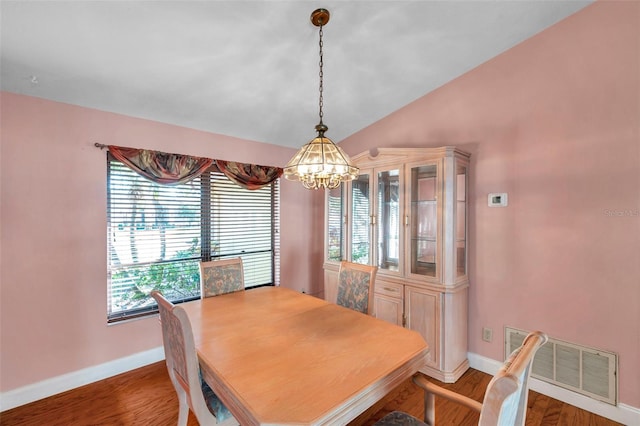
407, 214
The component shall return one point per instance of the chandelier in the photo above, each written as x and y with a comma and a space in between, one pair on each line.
320, 163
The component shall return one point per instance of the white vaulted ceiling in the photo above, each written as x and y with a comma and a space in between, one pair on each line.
250, 68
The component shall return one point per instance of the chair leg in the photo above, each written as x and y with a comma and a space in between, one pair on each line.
429, 408
183, 410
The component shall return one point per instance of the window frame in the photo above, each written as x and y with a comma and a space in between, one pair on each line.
206, 183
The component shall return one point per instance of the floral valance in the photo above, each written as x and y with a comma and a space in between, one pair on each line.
172, 169
161, 167
249, 176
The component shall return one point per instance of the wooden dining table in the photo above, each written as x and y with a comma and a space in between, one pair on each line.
278, 357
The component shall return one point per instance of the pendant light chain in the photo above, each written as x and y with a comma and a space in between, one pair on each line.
321, 75
320, 164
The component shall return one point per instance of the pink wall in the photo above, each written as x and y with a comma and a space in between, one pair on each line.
53, 241
555, 123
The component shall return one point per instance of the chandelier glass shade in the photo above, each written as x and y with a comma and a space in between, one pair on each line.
320, 164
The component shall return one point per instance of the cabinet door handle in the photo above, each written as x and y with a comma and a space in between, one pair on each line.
395, 290
406, 220
373, 219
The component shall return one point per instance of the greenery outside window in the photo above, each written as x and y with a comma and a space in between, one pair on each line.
158, 234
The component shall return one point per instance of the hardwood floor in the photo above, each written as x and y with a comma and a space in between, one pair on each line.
146, 397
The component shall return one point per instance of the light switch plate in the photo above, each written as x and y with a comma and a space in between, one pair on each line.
498, 199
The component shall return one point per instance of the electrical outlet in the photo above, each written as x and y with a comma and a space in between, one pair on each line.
487, 334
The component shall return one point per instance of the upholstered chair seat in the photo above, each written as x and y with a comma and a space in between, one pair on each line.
398, 418
215, 406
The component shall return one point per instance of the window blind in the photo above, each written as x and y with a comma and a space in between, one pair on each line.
158, 234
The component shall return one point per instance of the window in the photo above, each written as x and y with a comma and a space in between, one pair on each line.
158, 234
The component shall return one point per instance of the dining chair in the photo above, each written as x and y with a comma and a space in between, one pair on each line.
221, 276
505, 400
355, 286
184, 369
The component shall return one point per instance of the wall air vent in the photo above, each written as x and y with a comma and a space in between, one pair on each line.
588, 371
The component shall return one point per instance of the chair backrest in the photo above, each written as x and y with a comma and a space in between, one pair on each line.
180, 353
505, 400
221, 276
355, 286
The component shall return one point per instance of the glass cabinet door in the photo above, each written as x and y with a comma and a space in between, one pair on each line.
424, 220
388, 220
335, 224
461, 220
360, 220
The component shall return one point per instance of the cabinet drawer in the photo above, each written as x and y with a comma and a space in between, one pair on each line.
389, 289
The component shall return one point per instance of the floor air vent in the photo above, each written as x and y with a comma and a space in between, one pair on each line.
588, 371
